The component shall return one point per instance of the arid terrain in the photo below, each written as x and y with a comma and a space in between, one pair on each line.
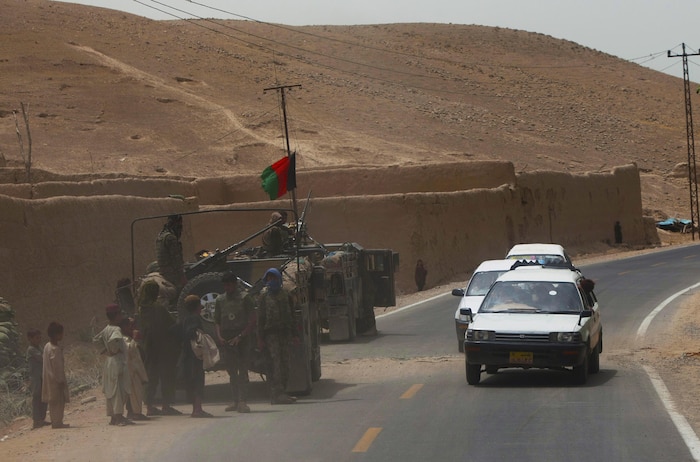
115, 95
112, 94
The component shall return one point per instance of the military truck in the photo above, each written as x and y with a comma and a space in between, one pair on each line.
335, 288
356, 280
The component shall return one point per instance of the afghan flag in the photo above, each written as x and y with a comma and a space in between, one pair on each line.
280, 177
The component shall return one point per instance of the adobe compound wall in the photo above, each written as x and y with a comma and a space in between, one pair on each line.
63, 255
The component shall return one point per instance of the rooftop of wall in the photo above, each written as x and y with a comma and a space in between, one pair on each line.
365, 181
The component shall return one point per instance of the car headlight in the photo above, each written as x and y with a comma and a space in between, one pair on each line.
566, 337
479, 335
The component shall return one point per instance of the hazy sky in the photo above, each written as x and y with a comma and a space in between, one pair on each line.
641, 31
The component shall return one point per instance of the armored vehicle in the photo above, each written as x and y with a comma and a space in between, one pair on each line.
335, 287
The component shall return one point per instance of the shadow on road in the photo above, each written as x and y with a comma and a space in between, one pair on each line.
539, 378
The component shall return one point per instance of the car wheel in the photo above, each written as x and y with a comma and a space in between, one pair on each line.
581, 371
491, 369
473, 374
594, 363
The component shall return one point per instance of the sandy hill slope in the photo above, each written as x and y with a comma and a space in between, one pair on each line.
110, 92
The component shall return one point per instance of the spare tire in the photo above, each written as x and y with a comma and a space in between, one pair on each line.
207, 286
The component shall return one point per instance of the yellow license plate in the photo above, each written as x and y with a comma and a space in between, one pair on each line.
521, 357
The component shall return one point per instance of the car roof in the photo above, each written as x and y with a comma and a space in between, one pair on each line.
540, 274
494, 265
536, 249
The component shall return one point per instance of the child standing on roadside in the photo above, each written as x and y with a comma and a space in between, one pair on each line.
54, 389
35, 363
137, 372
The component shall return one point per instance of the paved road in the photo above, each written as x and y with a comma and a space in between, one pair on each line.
513, 415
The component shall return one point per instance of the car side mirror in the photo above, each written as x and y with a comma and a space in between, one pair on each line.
458, 292
466, 314
586, 313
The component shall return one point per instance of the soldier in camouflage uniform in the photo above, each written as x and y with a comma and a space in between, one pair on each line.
234, 315
275, 332
169, 252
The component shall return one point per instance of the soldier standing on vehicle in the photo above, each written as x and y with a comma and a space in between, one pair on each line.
169, 252
275, 239
234, 315
276, 332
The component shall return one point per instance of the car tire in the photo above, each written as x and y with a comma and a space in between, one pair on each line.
594, 363
581, 371
491, 369
473, 374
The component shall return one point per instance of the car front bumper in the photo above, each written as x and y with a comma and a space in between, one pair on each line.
525, 355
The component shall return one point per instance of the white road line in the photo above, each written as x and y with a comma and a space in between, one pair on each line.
684, 429
682, 425
645, 324
413, 304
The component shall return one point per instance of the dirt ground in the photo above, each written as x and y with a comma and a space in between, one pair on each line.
676, 357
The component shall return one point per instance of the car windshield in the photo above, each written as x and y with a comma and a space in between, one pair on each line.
532, 297
481, 282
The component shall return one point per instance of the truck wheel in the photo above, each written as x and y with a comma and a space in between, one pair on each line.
352, 326
207, 287
316, 369
473, 374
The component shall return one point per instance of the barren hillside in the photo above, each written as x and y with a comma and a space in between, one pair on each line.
110, 93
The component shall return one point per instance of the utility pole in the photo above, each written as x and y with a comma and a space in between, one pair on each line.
692, 174
281, 89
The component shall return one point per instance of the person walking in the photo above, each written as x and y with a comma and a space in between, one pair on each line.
234, 316
420, 275
276, 332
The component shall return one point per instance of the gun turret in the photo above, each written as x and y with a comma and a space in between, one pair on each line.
216, 261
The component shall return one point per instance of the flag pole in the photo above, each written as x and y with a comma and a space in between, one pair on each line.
281, 89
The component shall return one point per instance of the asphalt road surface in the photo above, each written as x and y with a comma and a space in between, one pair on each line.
513, 415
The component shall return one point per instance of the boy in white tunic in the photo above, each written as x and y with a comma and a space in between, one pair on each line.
115, 376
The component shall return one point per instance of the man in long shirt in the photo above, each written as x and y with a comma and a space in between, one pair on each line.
116, 383
54, 388
276, 331
234, 315
161, 348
